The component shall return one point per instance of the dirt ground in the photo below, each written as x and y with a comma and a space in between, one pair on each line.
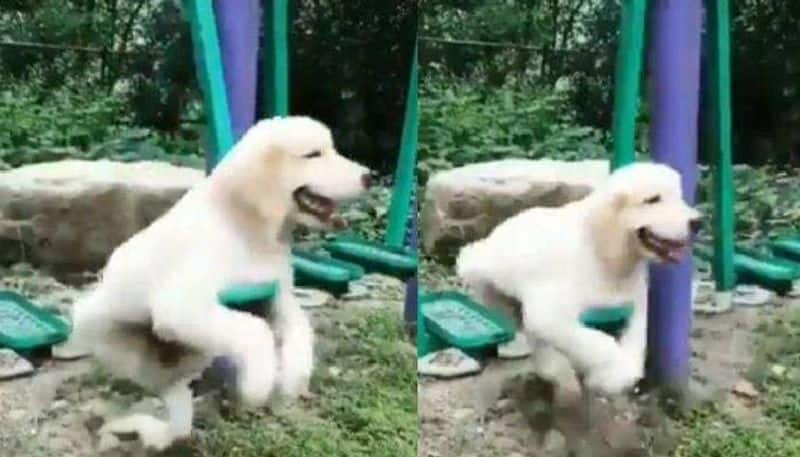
53, 412
495, 413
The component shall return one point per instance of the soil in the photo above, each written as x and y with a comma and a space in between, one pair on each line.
503, 411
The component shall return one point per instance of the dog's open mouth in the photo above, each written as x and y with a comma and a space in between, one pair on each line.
314, 204
666, 249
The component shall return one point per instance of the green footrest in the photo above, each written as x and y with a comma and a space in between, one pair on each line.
788, 248
254, 298
375, 257
322, 272
458, 321
25, 327
769, 273
612, 320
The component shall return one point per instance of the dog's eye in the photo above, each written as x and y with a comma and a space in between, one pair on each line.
313, 155
653, 200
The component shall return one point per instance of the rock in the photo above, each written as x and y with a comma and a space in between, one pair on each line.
464, 204
71, 214
778, 370
68, 351
503, 406
58, 405
751, 296
745, 389
554, 442
356, 291
462, 413
517, 348
311, 298
448, 363
12, 365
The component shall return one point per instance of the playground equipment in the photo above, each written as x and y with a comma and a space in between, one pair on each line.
230, 98
25, 327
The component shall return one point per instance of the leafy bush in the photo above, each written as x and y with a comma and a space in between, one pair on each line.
463, 122
33, 118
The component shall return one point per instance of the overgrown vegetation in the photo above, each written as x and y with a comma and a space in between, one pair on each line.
81, 72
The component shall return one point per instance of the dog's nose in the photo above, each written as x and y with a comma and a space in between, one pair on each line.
366, 180
695, 225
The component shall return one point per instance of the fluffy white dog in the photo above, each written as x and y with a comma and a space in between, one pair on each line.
555, 263
154, 317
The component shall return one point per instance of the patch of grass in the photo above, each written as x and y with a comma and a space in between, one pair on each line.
713, 433
368, 407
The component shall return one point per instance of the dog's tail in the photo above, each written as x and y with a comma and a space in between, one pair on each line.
470, 264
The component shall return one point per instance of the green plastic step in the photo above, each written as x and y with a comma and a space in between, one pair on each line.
777, 276
610, 320
397, 262
322, 272
458, 321
254, 298
25, 327
788, 247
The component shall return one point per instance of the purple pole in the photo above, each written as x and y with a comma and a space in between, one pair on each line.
675, 72
238, 23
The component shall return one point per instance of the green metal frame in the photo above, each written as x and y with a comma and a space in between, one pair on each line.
211, 77
404, 181
276, 57
719, 141
627, 81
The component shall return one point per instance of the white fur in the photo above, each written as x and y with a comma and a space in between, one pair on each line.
558, 262
161, 286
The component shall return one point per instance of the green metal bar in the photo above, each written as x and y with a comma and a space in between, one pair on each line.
626, 84
719, 141
400, 206
276, 57
211, 77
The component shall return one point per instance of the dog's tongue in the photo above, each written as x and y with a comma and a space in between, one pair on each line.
674, 255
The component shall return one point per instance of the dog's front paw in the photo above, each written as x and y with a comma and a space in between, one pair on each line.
256, 383
614, 379
295, 376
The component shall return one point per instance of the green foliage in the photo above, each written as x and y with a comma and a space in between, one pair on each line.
33, 118
463, 122
39, 126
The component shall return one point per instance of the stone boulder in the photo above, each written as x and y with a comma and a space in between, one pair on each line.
69, 215
464, 204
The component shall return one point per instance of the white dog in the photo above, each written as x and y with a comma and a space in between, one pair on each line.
558, 262
154, 317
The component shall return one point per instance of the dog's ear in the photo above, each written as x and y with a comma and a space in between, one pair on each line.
619, 199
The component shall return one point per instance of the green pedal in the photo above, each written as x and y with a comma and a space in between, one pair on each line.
611, 320
458, 321
788, 248
322, 272
25, 327
254, 298
397, 262
768, 272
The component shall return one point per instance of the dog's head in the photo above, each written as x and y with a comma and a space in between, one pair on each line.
293, 170
649, 205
